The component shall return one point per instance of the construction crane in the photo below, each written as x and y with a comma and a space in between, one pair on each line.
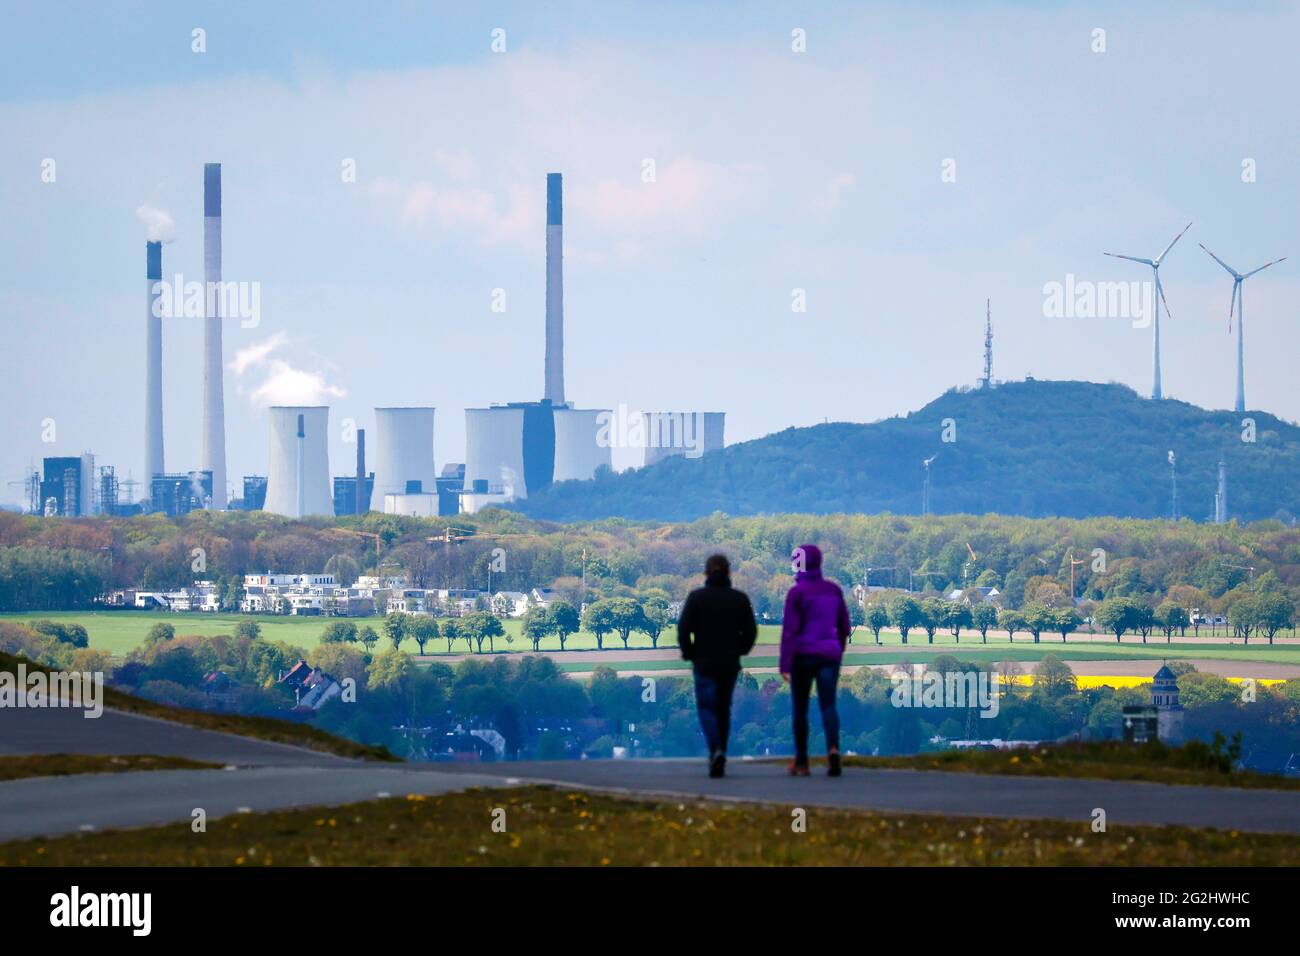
965, 568
365, 534
1073, 563
1245, 567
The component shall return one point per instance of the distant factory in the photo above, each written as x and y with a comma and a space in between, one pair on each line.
512, 449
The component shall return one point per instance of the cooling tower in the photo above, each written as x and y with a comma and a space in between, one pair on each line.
578, 453
494, 449
690, 434
282, 481
403, 453
214, 409
554, 289
153, 407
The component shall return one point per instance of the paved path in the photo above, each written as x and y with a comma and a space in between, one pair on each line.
50, 806
67, 730
964, 794
273, 776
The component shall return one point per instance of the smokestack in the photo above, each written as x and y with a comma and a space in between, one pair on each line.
301, 504
153, 409
361, 472
214, 409
554, 289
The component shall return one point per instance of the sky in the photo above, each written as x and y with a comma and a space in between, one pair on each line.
892, 167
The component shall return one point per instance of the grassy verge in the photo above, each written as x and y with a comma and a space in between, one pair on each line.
24, 766
546, 827
262, 728
1193, 763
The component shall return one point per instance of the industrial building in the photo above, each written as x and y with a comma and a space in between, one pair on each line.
451, 483
180, 494
345, 494
254, 492
67, 487
298, 479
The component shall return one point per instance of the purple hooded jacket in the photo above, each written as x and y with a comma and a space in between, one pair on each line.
816, 618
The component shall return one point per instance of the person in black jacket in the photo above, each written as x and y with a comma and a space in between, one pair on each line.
716, 629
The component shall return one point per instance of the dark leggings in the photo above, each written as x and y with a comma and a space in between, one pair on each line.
806, 671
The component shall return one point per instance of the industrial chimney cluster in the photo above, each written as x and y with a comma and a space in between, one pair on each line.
512, 449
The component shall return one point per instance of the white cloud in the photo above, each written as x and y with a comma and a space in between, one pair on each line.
282, 383
158, 223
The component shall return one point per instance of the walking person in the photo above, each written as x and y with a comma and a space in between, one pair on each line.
813, 632
716, 629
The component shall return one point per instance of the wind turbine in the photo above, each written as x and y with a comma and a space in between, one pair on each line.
1160, 297
925, 487
1237, 280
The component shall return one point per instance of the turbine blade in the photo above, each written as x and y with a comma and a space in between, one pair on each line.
1231, 271
1161, 289
1263, 267
1171, 244
1116, 255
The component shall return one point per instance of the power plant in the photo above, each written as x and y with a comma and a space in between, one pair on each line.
512, 449
298, 476
518, 448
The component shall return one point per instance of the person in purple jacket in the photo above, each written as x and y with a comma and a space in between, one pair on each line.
813, 632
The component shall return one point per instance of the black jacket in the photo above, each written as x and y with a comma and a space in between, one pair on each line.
717, 625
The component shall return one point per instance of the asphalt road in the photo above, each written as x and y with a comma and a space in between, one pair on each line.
965, 794
273, 776
49, 806
66, 730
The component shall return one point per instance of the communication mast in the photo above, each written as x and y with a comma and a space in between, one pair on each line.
987, 380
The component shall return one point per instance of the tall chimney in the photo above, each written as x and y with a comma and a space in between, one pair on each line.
214, 410
554, 289
363, 503
301, 505
153, 408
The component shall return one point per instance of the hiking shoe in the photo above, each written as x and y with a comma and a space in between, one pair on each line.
718, 765
833, 764
798, 769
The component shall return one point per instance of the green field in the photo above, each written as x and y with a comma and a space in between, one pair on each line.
120, 631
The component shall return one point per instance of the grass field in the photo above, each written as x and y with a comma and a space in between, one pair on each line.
23, 766
555, 827
120, 631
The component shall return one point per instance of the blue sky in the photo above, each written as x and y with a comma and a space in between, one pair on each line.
776, 171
